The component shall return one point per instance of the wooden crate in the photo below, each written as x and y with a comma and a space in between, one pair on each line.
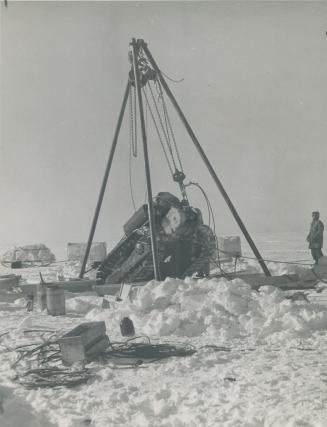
84, 342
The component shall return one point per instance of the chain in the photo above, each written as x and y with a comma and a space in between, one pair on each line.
133, 122
132, 145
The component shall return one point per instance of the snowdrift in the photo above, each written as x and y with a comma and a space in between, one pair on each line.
219, 310
276, 348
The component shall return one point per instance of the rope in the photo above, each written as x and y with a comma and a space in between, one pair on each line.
163, 128
158, 89
167, 119
172, 80
266, 260
159, 136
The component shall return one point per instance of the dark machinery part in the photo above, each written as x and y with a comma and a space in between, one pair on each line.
146, 73
185, 244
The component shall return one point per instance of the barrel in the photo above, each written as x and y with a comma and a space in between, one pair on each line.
41, 296
127, 327
56, 300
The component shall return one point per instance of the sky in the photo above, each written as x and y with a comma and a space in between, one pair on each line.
254, 91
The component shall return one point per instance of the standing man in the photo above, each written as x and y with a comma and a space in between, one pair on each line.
315, 237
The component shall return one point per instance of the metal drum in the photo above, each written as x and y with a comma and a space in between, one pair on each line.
41, 296
56, 300
127, 327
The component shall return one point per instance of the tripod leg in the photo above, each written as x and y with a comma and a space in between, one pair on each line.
207, 163
154, 246
104, 182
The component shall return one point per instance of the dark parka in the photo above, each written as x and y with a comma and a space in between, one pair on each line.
315, 236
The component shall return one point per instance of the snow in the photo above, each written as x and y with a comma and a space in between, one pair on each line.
260, 359
17, 412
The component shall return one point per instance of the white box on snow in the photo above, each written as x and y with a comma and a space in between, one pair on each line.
230, 246
76, 251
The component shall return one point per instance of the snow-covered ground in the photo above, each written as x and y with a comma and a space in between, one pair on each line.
273, 374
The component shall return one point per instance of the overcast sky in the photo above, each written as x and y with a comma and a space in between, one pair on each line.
254, 92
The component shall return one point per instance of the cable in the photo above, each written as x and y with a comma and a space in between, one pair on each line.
46, 373
195, 184
46, 355
130, 177
159, 92
172, 80
223, 272
158, 133
145, 352
163, 128
267, 260
167, 120
53, 377
211, 215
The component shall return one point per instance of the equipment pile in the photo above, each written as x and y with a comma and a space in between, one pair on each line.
61, 362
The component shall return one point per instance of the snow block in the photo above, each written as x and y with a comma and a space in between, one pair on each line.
76, 251
230, 245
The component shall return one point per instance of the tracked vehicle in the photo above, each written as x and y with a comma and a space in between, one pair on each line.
185, 245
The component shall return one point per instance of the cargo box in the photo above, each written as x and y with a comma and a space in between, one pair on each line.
84, 342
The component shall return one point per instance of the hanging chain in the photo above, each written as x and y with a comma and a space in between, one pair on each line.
135, 124
132, 146
133, 120
130, 177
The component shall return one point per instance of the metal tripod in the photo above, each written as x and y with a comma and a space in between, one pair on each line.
138, 46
